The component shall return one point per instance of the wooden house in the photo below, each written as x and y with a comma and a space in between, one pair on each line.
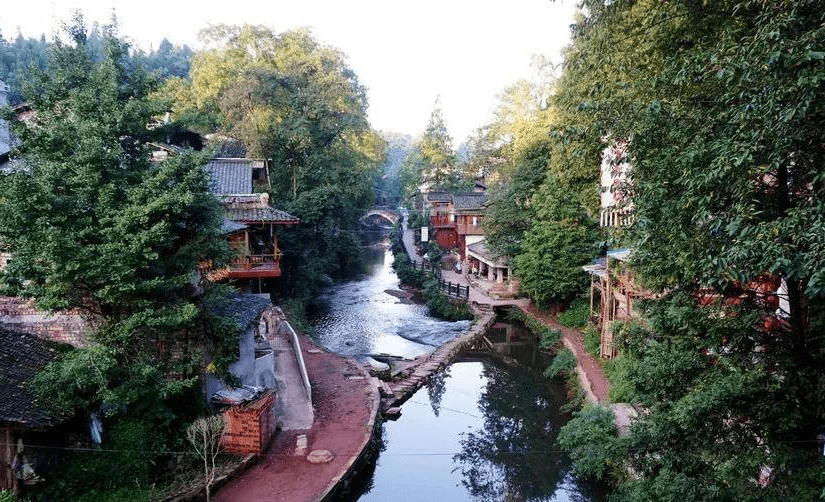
24, 426
250, 223
455, 219
613, 292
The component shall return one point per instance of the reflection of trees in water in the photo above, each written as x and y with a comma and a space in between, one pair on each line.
512, 458
436, 385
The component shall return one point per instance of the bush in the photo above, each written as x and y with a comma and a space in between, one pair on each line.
548, 337
122, 470
617, 372
440, 305
7, 496
591, 437
592, 341
416, 220
562, 364
576, 314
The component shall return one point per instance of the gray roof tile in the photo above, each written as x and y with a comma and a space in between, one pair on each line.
232, 176
470, 200
254, 208
21, 357
244, 308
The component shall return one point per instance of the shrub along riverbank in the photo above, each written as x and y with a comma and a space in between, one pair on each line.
440, 305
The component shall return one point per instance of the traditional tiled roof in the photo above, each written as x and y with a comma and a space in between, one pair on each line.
232, 176
469, 201
21, 357
244, 308
439, 197
254, 208
480, 250
230, 227
226, 147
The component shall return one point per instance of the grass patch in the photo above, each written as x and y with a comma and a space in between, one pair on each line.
295, 312
592, 341
616, 370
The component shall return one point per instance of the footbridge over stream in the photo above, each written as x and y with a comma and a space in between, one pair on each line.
387, 214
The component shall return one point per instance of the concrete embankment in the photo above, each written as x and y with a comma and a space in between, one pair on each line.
415, 374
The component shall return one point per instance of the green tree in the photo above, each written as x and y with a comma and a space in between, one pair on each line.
560, 241
294, 101
169, 60
437, 156
722, 102
93, 225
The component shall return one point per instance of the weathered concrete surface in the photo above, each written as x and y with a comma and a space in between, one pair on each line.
346, 409
293, 410
415, 374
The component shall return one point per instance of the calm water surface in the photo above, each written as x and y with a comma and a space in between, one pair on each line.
479, 431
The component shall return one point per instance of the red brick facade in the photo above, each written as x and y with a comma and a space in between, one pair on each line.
250, 426
22, 315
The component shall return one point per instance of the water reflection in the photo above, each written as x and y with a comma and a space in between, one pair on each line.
483, 431
360, 318
478, 431
512, 456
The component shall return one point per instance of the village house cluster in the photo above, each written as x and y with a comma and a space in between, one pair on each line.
31, 337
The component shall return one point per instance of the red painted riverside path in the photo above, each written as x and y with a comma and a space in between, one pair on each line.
346, 406
591, 376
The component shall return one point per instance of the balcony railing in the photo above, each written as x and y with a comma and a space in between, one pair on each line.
616, 217
252, 266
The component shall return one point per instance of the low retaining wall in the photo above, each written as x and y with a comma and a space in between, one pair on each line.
415, 375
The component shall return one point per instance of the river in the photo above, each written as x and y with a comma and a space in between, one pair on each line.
482, 430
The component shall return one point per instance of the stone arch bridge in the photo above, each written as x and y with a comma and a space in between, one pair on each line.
381, 213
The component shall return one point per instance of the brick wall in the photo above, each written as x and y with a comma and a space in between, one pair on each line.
22, 315
250, 426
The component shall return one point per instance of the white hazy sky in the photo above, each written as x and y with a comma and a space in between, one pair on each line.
405, 53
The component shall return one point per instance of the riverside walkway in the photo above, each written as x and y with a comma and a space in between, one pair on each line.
309, 462
312, 465
591, 376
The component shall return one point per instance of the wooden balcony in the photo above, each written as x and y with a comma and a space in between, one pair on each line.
254, 267
616, 217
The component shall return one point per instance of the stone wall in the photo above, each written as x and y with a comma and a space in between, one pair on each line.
22, 315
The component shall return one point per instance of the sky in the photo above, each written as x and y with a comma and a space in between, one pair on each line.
407, 54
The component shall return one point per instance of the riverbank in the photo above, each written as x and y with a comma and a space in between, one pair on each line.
308, 465
590, 374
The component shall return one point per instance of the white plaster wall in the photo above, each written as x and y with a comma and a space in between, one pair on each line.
5, 139
472, 239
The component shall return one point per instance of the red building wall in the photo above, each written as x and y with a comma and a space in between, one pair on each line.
250, 426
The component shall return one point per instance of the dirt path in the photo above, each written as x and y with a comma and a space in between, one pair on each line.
345, 401
595, 383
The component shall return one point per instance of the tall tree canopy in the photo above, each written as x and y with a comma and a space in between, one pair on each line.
537, 214
294, 101
723, 105
437, 155
92, 224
